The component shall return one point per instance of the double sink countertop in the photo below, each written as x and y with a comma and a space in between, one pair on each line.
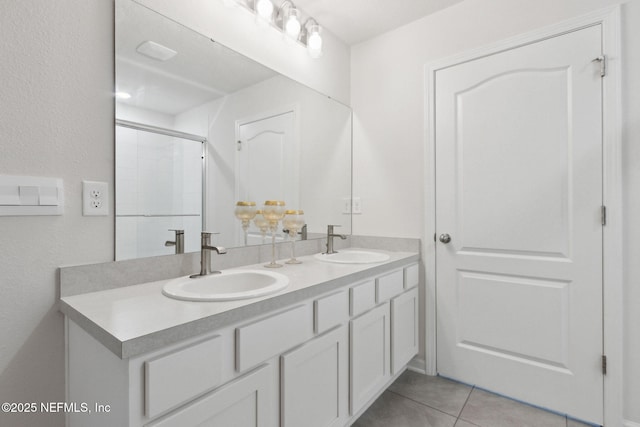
134, 320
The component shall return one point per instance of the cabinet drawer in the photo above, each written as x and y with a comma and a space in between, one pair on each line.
390, 285
363, 297
330, 311
411, 276
265, 338
179, 376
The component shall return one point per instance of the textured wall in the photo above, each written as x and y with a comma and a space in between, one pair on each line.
389, 125
56, 119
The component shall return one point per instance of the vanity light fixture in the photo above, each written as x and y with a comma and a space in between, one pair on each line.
288, 19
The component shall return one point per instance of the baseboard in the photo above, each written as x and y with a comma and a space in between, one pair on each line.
419, 366
627, 423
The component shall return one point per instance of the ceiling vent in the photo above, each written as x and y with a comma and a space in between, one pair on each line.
155, 51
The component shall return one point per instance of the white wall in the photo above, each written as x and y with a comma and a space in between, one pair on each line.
56, 119
387, 95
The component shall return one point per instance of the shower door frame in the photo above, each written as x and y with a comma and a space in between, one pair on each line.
176, 134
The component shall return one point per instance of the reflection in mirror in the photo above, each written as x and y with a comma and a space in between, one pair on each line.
201, 127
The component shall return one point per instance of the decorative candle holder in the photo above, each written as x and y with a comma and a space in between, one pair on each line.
293, 222
273, 211
245, 212
263, 225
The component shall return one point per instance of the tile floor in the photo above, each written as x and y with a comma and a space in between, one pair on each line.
416, 400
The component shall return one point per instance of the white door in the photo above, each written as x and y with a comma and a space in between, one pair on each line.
267, 162
519, 191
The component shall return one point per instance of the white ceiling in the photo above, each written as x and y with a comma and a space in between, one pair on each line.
354, 21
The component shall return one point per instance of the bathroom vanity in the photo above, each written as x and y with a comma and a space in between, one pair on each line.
317, 353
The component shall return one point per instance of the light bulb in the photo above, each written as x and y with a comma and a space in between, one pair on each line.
314, 42
264, 9
292, 26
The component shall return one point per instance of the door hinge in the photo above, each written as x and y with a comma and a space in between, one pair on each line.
603, 64
239, 145
604, 365
603, 215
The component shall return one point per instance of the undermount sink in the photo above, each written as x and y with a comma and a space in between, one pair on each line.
226, 286
353, 257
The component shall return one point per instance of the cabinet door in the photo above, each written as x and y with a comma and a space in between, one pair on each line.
404, 329
314, 382
244, 402
370, 365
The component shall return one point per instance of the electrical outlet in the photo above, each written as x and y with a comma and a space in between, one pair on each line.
357, 206
95, 198
346, 205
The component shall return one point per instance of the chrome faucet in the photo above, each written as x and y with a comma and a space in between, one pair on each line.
302, 232
178, 242
330, 236
205, 255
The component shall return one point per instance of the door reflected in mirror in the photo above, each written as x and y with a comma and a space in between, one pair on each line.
252, 135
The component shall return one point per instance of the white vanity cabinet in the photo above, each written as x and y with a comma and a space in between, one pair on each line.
315, 363
385, 338
314, 387
404, 329
370, 352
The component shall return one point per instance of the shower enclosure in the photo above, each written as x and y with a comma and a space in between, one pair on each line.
160, 186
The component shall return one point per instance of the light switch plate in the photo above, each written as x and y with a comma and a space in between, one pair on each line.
95, 198
31, 195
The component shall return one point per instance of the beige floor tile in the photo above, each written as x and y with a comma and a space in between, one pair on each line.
442, 394
392, 410
490, 410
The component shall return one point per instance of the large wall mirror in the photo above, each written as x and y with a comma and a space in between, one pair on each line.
200, 127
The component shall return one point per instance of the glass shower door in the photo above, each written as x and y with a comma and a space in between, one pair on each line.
158, 188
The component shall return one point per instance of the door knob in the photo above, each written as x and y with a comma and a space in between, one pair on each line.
445, 238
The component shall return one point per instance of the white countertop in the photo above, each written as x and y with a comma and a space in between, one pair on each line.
133, 320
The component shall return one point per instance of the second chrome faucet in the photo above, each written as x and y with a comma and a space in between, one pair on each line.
205, 255
330, 236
